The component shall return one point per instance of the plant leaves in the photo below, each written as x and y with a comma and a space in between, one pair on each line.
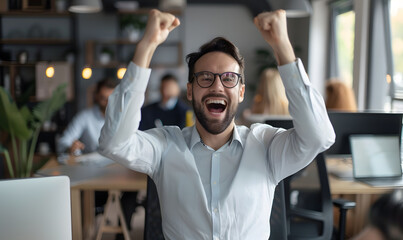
12, 120
44, 110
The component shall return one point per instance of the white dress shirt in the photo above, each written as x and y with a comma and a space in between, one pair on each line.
223, 194
86, 126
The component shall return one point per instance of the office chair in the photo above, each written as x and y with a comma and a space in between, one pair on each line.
278, 218
308, 203
309, 206
153, 222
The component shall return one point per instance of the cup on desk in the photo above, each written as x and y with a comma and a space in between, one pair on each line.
44, 148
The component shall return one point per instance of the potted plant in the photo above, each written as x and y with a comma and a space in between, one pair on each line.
23, 126
132, 26
106, 55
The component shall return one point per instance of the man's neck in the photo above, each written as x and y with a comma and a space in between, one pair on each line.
215, 141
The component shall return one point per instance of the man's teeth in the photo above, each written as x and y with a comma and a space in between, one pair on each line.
216, 101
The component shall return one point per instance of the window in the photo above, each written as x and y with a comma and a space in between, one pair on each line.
345, 23
396, 22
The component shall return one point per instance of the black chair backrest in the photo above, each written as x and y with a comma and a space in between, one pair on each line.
153, 222
308, 200
278, 219
309, 203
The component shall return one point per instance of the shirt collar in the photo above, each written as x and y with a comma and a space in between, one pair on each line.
195, 138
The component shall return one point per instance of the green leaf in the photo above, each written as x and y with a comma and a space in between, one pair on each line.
13, 121
44, 110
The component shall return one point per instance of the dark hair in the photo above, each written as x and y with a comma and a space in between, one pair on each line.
169, 76
386, 214
218, 44
106, 82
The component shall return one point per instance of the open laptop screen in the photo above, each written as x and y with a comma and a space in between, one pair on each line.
35, 208
375, 156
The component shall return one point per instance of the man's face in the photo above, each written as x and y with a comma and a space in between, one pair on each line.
169, 89
102, 97
215, 107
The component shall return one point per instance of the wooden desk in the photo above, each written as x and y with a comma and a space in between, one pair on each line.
364, 195
112, 177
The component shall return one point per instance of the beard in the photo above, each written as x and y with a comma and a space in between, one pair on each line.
214, 126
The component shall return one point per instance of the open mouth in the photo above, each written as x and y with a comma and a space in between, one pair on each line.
216, 106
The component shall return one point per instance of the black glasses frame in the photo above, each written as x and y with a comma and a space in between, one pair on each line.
195, 75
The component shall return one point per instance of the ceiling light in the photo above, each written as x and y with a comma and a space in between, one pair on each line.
293, 8
85, 6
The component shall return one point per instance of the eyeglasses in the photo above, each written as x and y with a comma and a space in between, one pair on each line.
205, 79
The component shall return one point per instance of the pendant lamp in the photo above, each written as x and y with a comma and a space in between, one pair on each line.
85, 6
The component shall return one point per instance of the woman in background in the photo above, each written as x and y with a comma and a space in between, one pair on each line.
270, 98
269, 101
340, 97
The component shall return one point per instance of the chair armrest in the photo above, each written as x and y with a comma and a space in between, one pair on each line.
343, 203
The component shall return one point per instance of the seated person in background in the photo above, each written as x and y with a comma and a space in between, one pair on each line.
270, 98
81, 135
170, 110
339, 96
385, 218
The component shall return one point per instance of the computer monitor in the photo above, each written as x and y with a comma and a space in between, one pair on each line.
35, 208
349, 123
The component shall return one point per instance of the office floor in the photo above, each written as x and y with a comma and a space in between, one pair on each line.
137, 226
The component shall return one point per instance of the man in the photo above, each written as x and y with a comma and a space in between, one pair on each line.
82, 134
170, 110
216, 180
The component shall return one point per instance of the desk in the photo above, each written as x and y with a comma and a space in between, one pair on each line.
364, 195
112, 177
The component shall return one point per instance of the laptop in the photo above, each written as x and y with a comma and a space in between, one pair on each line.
376, 160
35, 209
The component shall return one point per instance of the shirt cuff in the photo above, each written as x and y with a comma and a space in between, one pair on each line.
294, 74
136, 78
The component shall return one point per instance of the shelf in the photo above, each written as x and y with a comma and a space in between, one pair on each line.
35, 41
92, 50
145, 11
35, 13
16, 64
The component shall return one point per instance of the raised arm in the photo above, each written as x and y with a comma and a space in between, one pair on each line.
273, 27
120, 139
292, 150
159, 25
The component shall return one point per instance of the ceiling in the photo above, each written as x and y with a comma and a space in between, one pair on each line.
255, 6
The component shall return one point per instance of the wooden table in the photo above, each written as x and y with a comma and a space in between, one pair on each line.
112, 177
364, 195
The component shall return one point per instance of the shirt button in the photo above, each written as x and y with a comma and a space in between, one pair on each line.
215, 210
214, 183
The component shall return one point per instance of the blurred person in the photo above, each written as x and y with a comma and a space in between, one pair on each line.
339, 96
385, 218
82, 133
170, 110
270, 95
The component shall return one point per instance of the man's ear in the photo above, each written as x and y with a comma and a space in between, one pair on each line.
241, 92
189, 94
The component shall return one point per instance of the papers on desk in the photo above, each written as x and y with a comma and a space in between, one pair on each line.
88, 166
340, 167
93, 159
